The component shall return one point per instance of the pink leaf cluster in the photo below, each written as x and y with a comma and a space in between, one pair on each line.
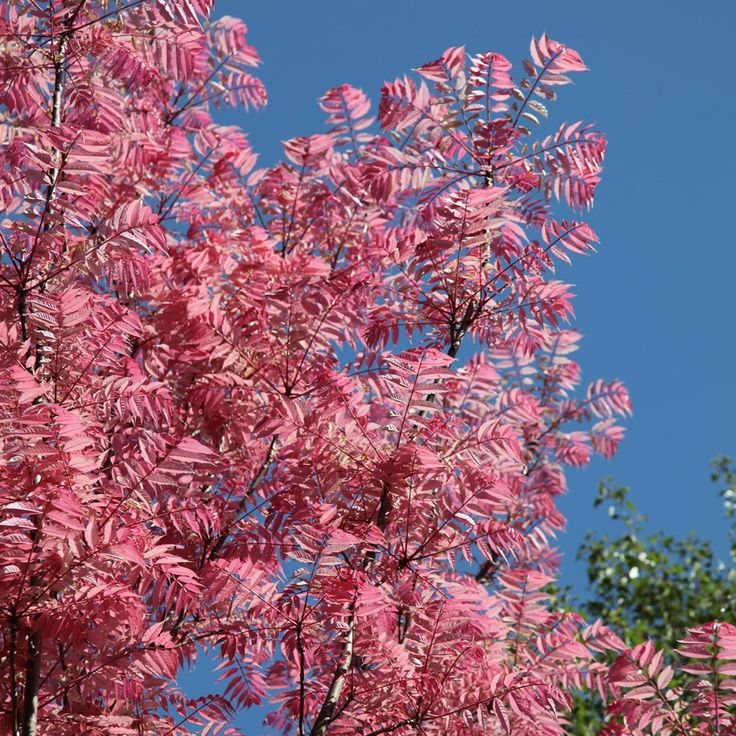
310, 419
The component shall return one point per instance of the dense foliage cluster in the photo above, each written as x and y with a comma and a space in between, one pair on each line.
652, 585
309, 419
656, 585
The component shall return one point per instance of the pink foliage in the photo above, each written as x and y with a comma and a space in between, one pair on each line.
238, 414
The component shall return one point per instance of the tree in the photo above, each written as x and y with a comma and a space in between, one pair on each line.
657, 586
653, 586
241, 413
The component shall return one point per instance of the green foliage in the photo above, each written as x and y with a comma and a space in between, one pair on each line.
652, 586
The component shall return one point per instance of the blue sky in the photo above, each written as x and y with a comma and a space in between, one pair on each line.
657, 303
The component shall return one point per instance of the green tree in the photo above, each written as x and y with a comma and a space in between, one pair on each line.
652, 585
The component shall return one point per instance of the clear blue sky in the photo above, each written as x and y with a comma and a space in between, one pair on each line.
657, 303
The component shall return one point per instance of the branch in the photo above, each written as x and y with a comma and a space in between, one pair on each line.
34, 657
259, 476
13, 673
394, 727
327, 711
33, 679
300, 649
